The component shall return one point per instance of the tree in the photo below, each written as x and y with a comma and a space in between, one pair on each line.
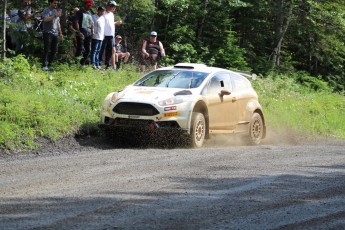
3, 32
283, 16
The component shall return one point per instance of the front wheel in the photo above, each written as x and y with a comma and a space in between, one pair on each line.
256, 129
198, 130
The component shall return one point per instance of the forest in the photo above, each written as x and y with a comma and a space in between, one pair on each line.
281, 36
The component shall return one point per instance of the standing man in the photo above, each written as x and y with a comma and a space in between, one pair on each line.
109, 32
51, 33
84, 26
97, 37
152, 50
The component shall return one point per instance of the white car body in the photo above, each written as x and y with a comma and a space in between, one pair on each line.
150, 106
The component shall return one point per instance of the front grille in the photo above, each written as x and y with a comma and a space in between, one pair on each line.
140, 109
132, 122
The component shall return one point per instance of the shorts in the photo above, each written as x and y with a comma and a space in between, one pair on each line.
152, 59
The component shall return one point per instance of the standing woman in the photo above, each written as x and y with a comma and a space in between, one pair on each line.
51, 33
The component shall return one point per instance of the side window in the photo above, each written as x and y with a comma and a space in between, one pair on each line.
219, 82
240, 83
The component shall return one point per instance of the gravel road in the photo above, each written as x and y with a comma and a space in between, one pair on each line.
271, 186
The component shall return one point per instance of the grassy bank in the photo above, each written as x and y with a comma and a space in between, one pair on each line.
300, 108
66, 101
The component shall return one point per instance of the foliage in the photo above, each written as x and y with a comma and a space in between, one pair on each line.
231, 56
232, 33
51, 104
289, 103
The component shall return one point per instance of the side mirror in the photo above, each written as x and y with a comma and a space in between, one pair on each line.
224, 92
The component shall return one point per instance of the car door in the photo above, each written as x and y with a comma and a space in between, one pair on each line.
243, 94
221, 103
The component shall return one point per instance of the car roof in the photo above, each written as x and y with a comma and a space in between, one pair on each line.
194, 67
208, 69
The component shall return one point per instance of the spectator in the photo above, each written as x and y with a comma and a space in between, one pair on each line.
51, 33
109, 32
97, 37
120, 52
84, 25
70, 21
71, 28
152, 50
22, 24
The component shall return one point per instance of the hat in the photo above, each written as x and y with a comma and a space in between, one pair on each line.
112, 3
118, 36
100, 8
89, 2
153, 33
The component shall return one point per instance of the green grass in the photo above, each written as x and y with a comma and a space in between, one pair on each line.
67, 101
296, 107
53, 104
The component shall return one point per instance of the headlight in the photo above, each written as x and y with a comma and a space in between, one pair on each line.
114, 97
171, 101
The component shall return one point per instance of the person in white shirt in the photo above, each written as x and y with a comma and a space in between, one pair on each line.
109, 33
97, 37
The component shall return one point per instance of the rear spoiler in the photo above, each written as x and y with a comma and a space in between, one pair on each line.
249, 75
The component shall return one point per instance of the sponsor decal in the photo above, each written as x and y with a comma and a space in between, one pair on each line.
171, 114
170, 108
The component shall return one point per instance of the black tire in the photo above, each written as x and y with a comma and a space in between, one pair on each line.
198, 130
256, 129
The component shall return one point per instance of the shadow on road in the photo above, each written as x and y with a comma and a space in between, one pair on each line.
266, 202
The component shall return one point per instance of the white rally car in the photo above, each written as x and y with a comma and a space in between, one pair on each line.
194, 99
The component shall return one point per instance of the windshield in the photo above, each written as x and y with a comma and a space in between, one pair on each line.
184, 79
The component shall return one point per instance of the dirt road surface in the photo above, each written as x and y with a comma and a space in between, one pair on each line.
271, 186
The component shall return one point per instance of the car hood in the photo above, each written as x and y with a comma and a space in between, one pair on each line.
135, 93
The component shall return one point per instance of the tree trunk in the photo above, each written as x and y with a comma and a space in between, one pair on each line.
4, 48
280, 29
63, 18
167, 23
203, 19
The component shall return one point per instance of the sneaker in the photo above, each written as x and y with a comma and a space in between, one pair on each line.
94, 67
45, 68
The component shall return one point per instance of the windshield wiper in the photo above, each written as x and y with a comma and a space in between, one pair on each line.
191, 81
172, 78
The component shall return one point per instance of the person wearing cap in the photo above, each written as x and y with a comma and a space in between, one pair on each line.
84, 25
97, 37
152, 50
109, 32
51, 32
119, 52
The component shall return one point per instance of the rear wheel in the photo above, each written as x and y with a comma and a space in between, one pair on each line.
256, 129
198, 130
